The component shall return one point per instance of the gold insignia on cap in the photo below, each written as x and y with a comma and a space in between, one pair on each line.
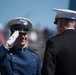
23, 22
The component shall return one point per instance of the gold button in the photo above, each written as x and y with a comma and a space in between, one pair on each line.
11, 54
33, 54
13, 58
15, 64
34, 60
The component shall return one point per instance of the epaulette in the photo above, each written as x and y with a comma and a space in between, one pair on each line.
33, 51
36, 52
55, 36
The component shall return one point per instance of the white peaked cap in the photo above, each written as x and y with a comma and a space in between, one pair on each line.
19, 23
19, 20
65, 13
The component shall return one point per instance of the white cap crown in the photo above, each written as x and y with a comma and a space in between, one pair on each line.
65, 13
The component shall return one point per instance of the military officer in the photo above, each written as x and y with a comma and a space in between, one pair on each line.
18, 60
60, 52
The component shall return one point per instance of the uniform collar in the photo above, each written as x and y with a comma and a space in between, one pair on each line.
70, 28
69, 31
16, 49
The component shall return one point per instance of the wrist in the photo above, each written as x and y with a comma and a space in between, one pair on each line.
6, 45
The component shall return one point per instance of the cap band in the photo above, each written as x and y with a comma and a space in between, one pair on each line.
19, 26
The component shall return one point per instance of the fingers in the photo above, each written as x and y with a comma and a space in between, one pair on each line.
13, 37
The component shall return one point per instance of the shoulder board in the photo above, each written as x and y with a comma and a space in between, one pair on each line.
55, 35
33, 51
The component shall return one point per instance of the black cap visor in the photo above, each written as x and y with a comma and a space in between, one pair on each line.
20, 28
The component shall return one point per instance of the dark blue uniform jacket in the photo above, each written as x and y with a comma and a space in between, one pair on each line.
18, 61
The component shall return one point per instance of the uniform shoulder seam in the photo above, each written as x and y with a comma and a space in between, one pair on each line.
32, 51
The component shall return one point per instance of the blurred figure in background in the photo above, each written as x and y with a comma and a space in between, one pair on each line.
2, 37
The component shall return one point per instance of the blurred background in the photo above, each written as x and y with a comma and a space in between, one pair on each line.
42, 17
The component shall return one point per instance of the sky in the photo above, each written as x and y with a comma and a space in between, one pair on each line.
38, 11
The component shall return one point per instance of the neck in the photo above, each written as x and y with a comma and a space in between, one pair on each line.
21, 46
69, 28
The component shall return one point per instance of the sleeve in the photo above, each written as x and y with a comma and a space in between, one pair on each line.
3, 52
38, 66
49, 61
